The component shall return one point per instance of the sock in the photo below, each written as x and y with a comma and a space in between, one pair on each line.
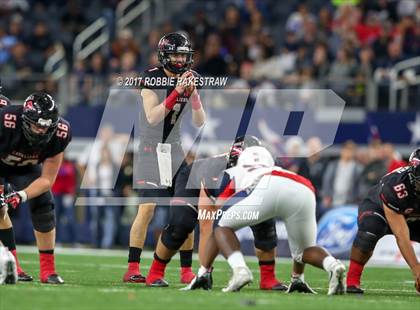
134, 254
7, 237
186, 258
134, 260
46, 263
236, 259
300, 276
19, 269
328, 262
202, 270
354, 274
267, 270
157, 269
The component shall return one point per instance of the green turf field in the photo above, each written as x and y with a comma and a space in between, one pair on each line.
94, 282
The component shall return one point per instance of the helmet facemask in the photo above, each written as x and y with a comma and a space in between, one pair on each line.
39, 119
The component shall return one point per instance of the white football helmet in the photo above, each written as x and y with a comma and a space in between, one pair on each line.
257, 156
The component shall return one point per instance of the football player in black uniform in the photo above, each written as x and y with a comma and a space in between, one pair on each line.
391, 207
166, 97
197, 187
32, 140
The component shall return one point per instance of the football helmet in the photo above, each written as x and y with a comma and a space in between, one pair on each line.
239, 145
414, 162
39, 110
4, 101
175, 43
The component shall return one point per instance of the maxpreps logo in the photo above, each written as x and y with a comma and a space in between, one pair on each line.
337, 229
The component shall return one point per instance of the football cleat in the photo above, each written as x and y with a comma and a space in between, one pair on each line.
297, 285
276, 286
24, 277
205, 282
8, 270
158, 283
53, 279
337, 284
187, 275
241, 277
134, 278
354, 290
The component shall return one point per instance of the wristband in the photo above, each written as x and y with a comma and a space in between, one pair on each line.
23, 195
195, 101
170, 101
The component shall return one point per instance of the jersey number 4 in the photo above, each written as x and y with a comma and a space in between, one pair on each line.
401, 190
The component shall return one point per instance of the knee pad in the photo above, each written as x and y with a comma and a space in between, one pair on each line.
366, 241
265, 235
42, 212
181, 223
43, 220
371, 228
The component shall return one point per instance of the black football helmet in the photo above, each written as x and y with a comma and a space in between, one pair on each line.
414, 162
241, 143
4, 101
40, 110
175, 43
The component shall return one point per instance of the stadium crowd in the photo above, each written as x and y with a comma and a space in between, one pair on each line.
308, 44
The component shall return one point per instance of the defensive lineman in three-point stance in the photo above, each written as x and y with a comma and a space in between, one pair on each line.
255, 184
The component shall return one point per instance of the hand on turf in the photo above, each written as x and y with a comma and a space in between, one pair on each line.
416, 271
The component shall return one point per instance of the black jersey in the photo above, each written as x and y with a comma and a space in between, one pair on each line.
15, 150
208, 172
168, 130
396, 192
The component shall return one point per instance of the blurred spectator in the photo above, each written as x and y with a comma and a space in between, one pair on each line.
394, 55
64, 190
6, 43
41, 45
295, 22
313, 168
373, 171
230, 30
104, 217
392, 158
320, 62
369, 29
16, 27
96, 80
125, 43
341, 72
339, 183
213, 63
128, 64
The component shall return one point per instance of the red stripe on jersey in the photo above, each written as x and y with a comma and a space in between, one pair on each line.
295, 177
228, 191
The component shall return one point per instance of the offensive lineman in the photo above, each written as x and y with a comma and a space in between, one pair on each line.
391, 207
32, 140
160, 134
188, 199
256, 184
